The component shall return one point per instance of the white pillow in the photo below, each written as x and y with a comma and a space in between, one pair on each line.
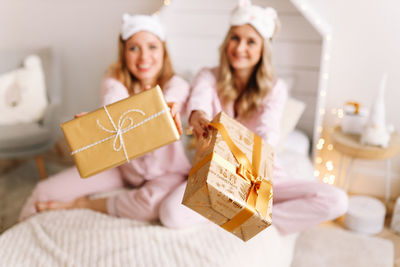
297, 141
23, 93
289, 79
291, 114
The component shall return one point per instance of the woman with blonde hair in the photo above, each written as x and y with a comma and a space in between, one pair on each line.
130, 75
143, 63
245, 86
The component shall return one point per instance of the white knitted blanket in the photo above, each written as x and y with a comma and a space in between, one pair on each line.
87, 238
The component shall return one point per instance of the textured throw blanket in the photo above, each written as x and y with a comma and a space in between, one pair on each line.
87, 238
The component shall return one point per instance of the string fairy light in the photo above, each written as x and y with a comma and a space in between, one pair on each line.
331, 179
164, 4
329, 165
321, 143
325, 30
340, 113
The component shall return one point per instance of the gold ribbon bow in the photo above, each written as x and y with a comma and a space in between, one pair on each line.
260, 192
356, 106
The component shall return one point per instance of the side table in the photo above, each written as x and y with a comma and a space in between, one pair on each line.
349, 145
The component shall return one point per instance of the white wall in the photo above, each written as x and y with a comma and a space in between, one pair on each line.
84, 34
365, 44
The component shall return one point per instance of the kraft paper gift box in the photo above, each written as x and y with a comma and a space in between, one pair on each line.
231, 179
119, 132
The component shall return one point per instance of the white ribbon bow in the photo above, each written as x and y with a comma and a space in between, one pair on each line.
119, 130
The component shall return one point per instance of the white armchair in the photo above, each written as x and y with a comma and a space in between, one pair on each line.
32, 139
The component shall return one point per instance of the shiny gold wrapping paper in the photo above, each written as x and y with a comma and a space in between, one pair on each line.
141, 123
217, 192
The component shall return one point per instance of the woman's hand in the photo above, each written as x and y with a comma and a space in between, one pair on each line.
99, 204
199, 121
175, 115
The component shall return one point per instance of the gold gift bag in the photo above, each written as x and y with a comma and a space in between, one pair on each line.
119, 132
231, 179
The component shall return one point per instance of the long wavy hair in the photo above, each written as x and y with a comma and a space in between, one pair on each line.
120, 72
261, 81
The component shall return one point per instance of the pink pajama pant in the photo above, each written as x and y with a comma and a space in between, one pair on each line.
140, 203
298, 205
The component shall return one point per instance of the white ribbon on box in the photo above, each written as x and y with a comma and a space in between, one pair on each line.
118, 131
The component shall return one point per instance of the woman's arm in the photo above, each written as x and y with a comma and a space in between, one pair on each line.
200, 109
112, 91
177, 90
268, 122
199, 121
203, 92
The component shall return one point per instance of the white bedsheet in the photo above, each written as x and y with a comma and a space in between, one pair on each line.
87, 238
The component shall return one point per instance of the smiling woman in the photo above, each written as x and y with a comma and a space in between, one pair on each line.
143, 63
144, 57
244, 46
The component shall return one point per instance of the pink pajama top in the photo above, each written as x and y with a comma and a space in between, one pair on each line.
265, 122
154, 174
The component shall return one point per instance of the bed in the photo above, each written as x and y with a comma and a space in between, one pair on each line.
87, 238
